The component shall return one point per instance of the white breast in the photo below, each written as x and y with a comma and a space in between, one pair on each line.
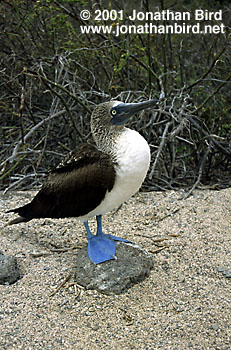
133, 159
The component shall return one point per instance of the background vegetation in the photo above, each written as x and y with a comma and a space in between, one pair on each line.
52, 76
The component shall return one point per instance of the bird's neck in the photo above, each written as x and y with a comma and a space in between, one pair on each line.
106, 138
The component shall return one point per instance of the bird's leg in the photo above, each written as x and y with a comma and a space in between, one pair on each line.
100, 247
89, 234
100, 232
99, 225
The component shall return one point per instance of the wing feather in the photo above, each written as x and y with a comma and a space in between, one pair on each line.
75, 187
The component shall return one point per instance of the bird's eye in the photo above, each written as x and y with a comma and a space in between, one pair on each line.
113, 112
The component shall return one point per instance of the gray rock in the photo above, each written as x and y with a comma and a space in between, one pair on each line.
221, 269
132, 265
215, 326
225, 272
9, 272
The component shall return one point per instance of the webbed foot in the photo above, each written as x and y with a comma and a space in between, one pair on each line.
115, 238
101, 248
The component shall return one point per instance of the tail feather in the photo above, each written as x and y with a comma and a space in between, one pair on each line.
22, 211
18, 220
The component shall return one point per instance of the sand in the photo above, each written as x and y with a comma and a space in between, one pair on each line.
183, 304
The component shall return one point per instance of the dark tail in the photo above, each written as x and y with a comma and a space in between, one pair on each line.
18, 220
22, 211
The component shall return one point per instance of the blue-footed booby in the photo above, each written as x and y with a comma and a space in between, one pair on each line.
93, 180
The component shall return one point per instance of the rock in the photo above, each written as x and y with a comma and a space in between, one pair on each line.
220, 268
132, 265
215, 326
225, 272
9, 272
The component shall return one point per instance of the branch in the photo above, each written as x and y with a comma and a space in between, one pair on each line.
160, 148
209, 69
44, 79
199, 172
212, 94
32, 130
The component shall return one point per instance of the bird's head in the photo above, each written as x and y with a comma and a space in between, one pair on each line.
117, 112
120, 112
110, 117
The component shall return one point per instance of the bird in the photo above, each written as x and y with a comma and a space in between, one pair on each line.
95, 179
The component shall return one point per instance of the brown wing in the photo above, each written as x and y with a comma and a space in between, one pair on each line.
75, 187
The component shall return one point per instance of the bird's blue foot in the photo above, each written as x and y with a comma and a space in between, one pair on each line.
115, 238
101, 247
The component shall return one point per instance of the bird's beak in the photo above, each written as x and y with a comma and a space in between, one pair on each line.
126, 110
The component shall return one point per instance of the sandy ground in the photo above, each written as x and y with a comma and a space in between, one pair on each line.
184, 304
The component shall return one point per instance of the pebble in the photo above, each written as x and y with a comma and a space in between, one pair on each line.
215, 326
9, 272
225, 272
